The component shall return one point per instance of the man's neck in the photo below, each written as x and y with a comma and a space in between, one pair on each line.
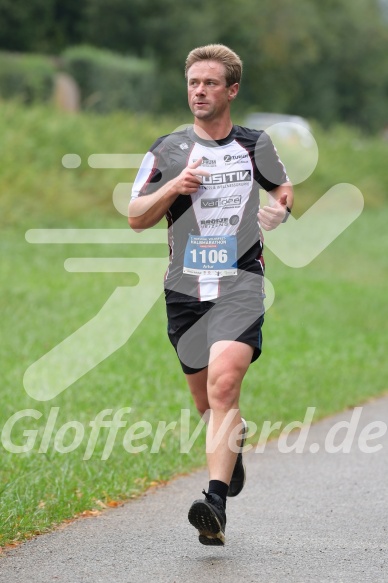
216, 130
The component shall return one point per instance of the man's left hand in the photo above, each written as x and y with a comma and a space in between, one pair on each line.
270, 217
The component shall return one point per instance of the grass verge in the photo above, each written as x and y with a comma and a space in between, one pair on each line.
324, 337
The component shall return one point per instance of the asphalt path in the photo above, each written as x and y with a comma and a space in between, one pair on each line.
316, 516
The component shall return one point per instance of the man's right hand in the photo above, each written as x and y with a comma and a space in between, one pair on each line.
146, 211
189, 180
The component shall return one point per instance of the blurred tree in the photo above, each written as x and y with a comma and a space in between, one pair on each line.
45, 26
176, 28
68, 24
348, 82
23, 25
165, 30
275, 44
118, 25
326, 60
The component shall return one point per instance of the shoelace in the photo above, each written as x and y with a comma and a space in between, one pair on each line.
207, 495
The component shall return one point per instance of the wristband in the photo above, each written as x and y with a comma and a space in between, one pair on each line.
288, 212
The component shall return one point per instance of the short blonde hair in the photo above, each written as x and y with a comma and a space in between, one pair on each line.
231, 61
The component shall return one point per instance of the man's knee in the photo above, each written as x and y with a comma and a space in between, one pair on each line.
224, 390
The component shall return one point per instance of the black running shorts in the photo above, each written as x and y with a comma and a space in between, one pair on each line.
194, 326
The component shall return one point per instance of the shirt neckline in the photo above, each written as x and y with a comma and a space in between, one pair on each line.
212, 143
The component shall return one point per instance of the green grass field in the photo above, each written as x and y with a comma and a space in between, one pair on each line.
324, 337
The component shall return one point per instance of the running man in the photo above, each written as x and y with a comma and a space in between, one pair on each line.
206, 179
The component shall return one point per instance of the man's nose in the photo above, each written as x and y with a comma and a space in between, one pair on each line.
200, 88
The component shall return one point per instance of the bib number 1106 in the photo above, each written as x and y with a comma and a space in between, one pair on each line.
209, 255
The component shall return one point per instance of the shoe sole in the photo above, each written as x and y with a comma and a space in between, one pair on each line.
206, 522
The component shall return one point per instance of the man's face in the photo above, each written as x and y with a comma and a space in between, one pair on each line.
208, 94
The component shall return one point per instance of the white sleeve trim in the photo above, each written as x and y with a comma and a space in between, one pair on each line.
143, 174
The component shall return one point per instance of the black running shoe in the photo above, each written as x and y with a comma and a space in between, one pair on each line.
209, 517
238, 477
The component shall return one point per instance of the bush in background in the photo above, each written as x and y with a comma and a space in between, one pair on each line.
110, 82
28, 78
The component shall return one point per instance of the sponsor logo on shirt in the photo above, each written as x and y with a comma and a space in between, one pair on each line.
213, 223
183, 146
229, 159
234, 220
207, 161
226, 202
228, 177
222, 222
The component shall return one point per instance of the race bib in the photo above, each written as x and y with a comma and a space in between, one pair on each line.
211, 255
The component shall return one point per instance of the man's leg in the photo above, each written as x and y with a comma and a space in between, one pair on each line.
228, 364
229, 361
198, 386
198, 382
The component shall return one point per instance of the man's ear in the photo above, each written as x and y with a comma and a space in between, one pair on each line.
233, 90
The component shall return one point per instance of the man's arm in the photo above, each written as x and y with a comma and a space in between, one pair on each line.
146, 211
271, 174
272, 215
